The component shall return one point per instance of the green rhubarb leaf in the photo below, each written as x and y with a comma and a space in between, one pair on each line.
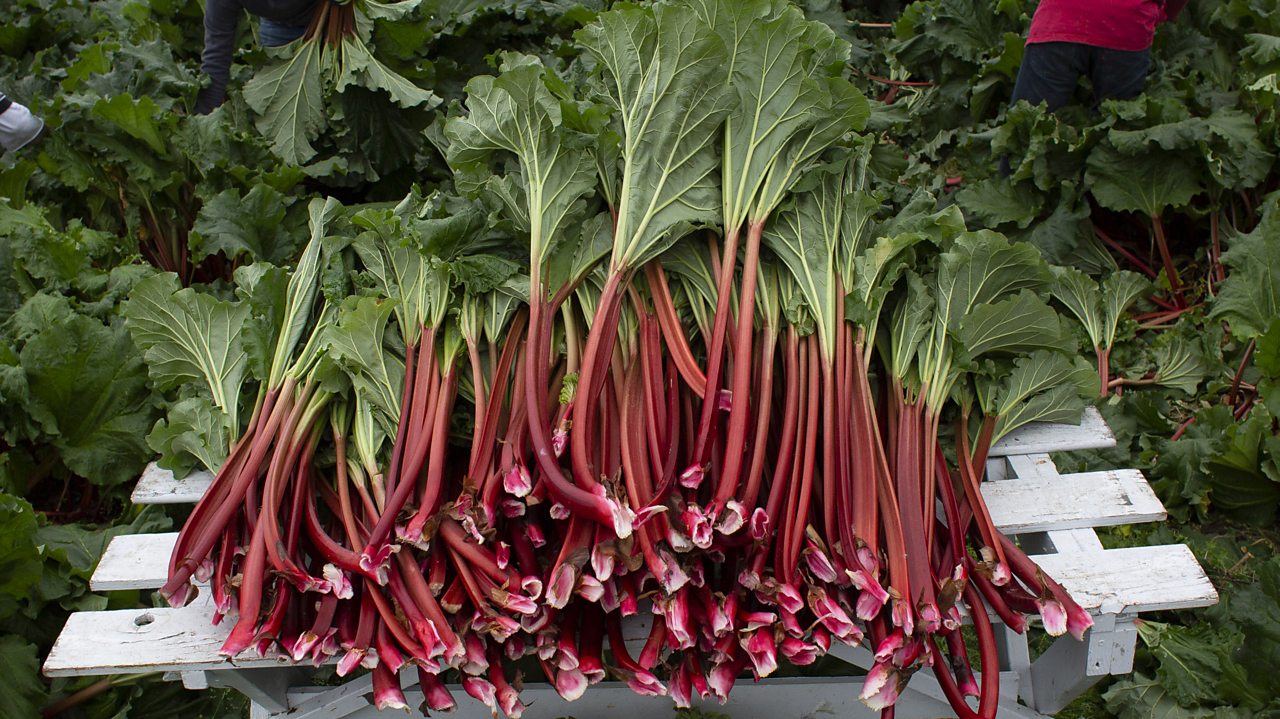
71, 553
1190, 658
135, 117
1140, 696
303, 288
187, 336
287, 99
860, 208
416, 284
996, 201
1250, 296
1179, 364
90, 379
580, 251
501, 304
662, 70
983, 267
517, 112
1119, 291
265, 288
250, 225
804, 236
1147, 183
19, 563
876, 272
1043, 387
356, 342
194, 432
1242, 474
1021, 323
360, 67
1082, 297
911, 324
789, 104
23, 693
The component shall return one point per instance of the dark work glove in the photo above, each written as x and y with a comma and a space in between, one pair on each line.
209, 99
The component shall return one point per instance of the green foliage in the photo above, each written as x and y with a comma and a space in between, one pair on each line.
1250, 297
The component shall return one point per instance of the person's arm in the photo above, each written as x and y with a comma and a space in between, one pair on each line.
220, 20
1172, 8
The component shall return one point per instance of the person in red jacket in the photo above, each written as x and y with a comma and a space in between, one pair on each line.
1109, 41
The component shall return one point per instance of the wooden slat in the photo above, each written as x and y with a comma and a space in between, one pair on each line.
184, 639
1072, 501
159, 486
1091, 433
130, 641
134, 561
1041, 468
175, 639
1137, 579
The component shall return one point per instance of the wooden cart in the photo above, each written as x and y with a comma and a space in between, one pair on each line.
1052, 515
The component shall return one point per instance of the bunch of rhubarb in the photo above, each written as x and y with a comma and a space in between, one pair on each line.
658, 351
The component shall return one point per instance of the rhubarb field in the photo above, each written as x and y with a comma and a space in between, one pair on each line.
501, 322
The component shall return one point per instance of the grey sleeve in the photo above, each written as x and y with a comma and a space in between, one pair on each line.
220, 20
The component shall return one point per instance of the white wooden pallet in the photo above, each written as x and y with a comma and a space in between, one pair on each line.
1053, 515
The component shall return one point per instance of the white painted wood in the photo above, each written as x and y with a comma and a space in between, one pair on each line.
1091, 433
808, 698
1133, 579
134, 641
1074, 541
1026, 466
1069, 501
134, 561
159, 486
266, 687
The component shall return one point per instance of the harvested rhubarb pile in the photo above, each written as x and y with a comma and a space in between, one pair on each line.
662, 352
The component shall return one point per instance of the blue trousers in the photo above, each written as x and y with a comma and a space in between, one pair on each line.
1051, 70
273, 34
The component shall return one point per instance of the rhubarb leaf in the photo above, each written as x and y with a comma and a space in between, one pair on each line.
360, 67
981, 268
1179, 364
303, 288
1119, 291
23, 693
1100, 308
804, 236
1146, 183
91, 380
1021, 323
356, 342
187, 336
19, 562
415, 284
788, 106
517, 112
662, 70
1042, 387
194, 432
1082, 297
1250, 296
257, 224
1142, 697
287, 99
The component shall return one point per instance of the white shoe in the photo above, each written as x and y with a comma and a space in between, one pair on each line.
18, 126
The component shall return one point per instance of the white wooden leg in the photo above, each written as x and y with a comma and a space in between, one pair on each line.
1070, 667
266, 688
